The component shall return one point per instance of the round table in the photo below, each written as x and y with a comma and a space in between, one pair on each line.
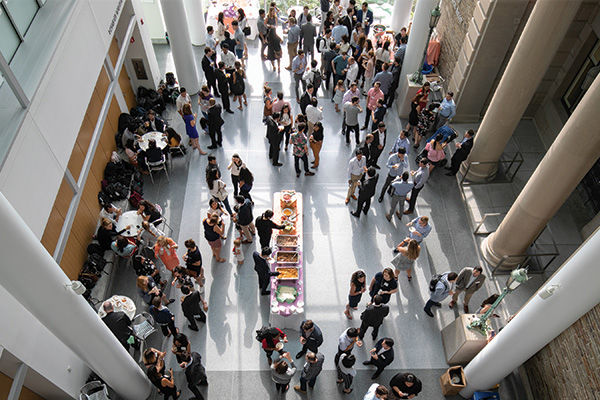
159, 137
120, 303
131, 218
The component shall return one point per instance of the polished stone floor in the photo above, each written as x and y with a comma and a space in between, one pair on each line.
335, 245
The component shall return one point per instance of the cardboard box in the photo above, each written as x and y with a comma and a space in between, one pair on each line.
449, 388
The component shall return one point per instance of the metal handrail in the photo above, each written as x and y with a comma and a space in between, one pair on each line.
476, 231
517, 159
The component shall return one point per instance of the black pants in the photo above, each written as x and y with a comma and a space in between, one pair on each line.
193, 385
281, 387
392, 94
413, 199
264, 241
327, 78
362, 202
304, 159
211, 82
235, 180
245, 192
225, 97
339, 354
192, 319
363, 330
367, 116
386, 185
169, 327
356, 130
264, 282
274, 151
216, 137
455, 162
380, 367
374, 156
263, 46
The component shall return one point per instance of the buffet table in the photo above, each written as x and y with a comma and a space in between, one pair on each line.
287, 295
230, 11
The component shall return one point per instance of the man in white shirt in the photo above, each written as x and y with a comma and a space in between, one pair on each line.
313, 114
376, 391
356, 168
182, 99
228, 57
352, 71
111, 213
211, 42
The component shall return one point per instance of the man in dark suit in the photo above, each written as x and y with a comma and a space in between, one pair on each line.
311, 337
274, 135
365, 17
263, 270
208, 66
373, 317
379, 138
462, 152
195, 374
154, 123
306, 98
366, 191
365, 147
382, 355
119, 324
215, 122
190, 305
223, 85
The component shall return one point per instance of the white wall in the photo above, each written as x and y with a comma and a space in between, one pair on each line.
156, 26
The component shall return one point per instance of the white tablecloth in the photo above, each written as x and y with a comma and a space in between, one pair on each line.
120, 303
251, 15
161, 141
130, 218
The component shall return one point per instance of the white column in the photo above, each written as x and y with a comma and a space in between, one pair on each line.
540, 321
416, 44
400, 14
181, 47
34, 279
195, 20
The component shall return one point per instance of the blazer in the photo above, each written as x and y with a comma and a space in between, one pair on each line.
214, 117
191, 305
221, 80
314, 339
464, 150
384, 359
119, 324
375, 141
374, 315
463, 280
196, 372
367, 187
209, 71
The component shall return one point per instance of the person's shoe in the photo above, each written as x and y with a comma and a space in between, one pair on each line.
354, 197
297, 175
171, 301
437, 304
277, 164
450, 174
299, 355
288, 68
388, 217
428, 312
297, 389
451, 304
448, 168
246, 242
376, 166
466, 309
366, 362
309, 173
363, 128
375, 376
268, 293
190, 142
194, 329
407, 212
398, 215
365, 211
347, 200
357, 215
396, 249
212, 147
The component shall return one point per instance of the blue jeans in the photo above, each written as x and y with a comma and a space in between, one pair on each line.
430, 303
311, 383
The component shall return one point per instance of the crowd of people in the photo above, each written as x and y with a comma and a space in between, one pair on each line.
353, 67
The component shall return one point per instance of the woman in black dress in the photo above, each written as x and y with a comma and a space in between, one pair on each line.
164, 382
238, 87
357, 288
274, 49
413, 118
383, 284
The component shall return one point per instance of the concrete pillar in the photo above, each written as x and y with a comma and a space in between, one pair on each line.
416, 45
539, 321
400, 14
532, 57
181, 47
573, 153
34, 279
195, 19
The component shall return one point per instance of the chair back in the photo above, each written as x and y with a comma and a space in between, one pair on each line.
94, 390
143, 325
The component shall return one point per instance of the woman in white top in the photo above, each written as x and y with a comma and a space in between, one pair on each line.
242, 24
382, 55
235, 166
217, 189
221, 27
356, 34
148, 233
215, 207
369, 65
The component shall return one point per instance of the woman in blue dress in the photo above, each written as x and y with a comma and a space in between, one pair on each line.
190, 127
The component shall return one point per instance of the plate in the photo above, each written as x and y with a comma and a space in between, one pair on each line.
279, 346
275, 303
287, 212
300, 303
411, 229
300, 310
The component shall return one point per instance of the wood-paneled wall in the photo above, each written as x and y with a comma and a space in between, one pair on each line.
6, 383
86, 218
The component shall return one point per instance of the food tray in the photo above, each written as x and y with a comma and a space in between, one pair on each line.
287, 241
287, 273
287, 257
286, 294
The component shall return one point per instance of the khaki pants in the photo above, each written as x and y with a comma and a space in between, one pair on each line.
353, 183
310, 126
465, 300
248, 230
292, 51
316, 149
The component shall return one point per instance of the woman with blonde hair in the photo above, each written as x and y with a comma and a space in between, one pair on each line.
148, 290
405, 260
166, 249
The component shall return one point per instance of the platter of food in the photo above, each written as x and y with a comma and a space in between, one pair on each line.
289, 273
287, 240
287, 257
286, 294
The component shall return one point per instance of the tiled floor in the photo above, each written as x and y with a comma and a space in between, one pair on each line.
336, 244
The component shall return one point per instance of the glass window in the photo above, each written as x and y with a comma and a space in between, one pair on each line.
22, 12
9, 40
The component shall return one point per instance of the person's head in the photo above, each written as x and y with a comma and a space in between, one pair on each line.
149, 357
313, 64
300, 53
151, 115
208, 51
426, 86
305, 10
268, 214
369, 138
213, 220
236, 158
225, 48
355, 100
340, 83
365, 6
152, 144
241, 13
424, 220
276, 115
212, 159
405, 174
308, 325
377, 299
380, 103
438, 138
235, 24
210, 29
423, 162
156, 301
310, 88
142, 282
267, 90
301, 127
381, 392
311, 357
387, 343
285, 109
265, 251
344, 53
403, 133
187, 109
470, 133
182, 91
122, 242
452, 276
449, 96
351, 60
409, 380
221, 18
161, 240
213, 204
185, 290
352, 332
179, 271
359, 154
237, 242
106, 223
353, 87
371, 171
108, 307
388, 274
280, 95
349, 361
413, 250
109, 208
180, 339
385, 65
477, 271
308, 17
318, 126
190, 243
358, 277
292, 20
314, 102
221, 64
381, 126
261, 13
239, 199
377, 85
280, 367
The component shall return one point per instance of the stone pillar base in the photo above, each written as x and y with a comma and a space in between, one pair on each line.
481, 173
406, 93
493, 258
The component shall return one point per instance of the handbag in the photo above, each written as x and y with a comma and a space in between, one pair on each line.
222, 193
247, 31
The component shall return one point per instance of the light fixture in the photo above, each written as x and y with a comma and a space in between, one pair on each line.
516, 278
434, 18
548, 291
77, 287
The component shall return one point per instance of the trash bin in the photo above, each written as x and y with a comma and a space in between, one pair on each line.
485, 396
453, 381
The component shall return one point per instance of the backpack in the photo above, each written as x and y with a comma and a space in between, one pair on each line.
95, 263
317, 78
435, 279
103, 198
319, 40
95, 248
116, 191
266, 332
135, 198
